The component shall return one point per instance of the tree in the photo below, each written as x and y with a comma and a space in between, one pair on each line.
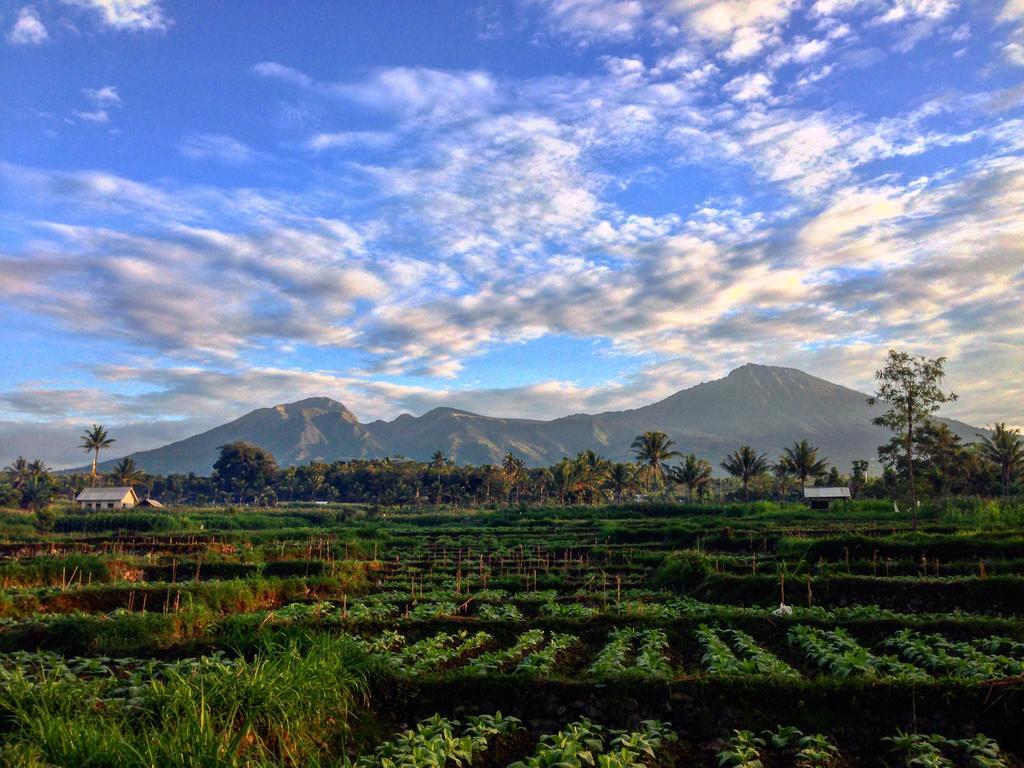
37, 493
93, 441
18, 472
1005, 449
745, 463
243, 466
782, 472
694, 473
859, 476
803, 462
514, 469
126, 472
911, 387
619, 479
316, 478
652, 450
438, 462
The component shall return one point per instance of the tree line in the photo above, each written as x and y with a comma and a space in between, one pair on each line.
923, 457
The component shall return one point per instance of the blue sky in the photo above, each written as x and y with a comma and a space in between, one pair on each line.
524, 208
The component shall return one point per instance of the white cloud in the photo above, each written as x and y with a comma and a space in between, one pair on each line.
94, 116
752, 86
1014, 53
351, 140
28, 29
217, 147
105, 96
128, 15
1012, 10
587, 20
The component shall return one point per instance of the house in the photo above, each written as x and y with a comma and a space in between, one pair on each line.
107, 498
148, 502
819, 498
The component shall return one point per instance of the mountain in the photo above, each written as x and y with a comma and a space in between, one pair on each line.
763, 406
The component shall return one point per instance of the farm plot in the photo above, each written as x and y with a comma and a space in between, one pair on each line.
586, 633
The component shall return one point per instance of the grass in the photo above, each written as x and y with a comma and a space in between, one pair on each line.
292, 706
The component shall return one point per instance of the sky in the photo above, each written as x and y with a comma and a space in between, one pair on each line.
531, 208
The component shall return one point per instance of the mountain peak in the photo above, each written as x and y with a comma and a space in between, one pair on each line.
765, 406
313, 403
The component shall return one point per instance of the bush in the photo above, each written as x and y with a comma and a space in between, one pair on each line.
685, 570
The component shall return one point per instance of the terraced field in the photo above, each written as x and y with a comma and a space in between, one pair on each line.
728, 636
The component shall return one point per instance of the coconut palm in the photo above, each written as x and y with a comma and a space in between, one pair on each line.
803, 462
619, 479
1005, 449
438, 462
745, 463
18, 473
125, 472
653, 450
514, 469
694, 473
93, 441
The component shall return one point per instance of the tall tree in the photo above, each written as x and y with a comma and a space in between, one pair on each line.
619, 479
859, 476
93, 441
438, 462
126, 472
18, 472
802, 459
745, 463
243, 466
782, 473
694, 473
1005, 449
653, 450
514, 469
911, 387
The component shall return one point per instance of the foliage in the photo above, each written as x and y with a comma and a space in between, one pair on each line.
910, 387
684, 570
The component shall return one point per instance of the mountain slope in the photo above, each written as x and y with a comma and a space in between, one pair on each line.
764, 406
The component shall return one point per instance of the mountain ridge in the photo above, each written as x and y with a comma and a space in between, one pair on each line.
767, 407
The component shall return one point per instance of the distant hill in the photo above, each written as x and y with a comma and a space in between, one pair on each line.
764, 406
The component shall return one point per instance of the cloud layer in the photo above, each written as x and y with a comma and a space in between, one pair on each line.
708, 191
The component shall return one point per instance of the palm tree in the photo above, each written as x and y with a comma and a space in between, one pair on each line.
126, 472
18, 472
514, 469
746, 464
619, 479
694, 473
1005, 449
438, 461
93, 440
652, 450
562, 474
803, 462
316, 477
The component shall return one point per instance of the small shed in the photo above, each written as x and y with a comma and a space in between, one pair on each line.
122, 497
819, 498
148, 502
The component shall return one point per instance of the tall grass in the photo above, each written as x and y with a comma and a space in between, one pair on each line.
983, 514
289, 706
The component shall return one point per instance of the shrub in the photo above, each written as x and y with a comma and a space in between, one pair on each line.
685, 570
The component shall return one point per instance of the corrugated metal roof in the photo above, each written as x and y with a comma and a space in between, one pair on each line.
827, 493
104, 494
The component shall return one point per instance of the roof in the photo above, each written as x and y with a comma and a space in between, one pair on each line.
841, 492
147, 502
105, 494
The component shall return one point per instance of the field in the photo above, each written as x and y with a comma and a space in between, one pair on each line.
615, 636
